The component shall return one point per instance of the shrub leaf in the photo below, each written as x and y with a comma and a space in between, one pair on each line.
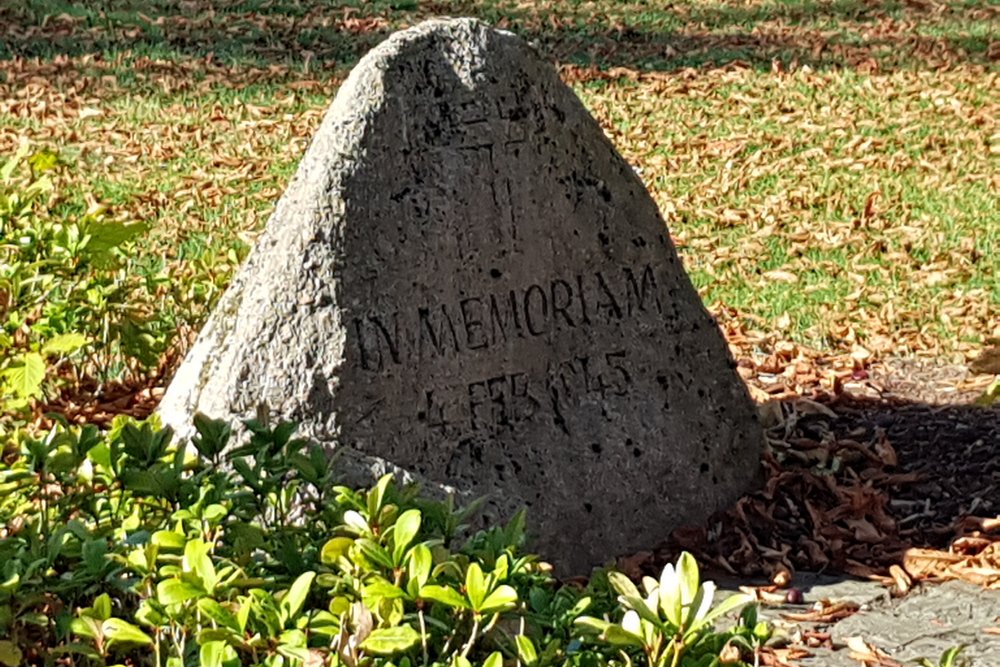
386, 641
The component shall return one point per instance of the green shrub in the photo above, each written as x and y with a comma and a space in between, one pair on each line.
67, 286
124, 548
673, 622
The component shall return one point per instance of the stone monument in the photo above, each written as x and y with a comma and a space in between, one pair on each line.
464, 280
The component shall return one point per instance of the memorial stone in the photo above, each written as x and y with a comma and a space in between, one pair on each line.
464, 280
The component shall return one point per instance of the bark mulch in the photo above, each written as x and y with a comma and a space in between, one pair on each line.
884, 470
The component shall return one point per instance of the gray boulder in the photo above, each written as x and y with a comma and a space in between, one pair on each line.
465, 283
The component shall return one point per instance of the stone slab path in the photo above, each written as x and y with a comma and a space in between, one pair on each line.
924, 623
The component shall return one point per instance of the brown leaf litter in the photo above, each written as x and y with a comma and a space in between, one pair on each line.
859, 480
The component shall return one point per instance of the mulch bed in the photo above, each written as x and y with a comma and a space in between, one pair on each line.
884, 470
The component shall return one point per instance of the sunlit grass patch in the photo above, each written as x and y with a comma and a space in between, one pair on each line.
801, 198
822, 166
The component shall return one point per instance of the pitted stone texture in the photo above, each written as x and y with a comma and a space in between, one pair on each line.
465, 279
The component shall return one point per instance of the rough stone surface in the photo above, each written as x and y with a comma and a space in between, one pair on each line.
929, 621
466, 280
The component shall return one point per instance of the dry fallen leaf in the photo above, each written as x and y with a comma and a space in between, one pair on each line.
868, 654
783, 657
826, 612
781, 276
901, 579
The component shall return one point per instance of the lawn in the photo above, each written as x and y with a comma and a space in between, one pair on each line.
829, 170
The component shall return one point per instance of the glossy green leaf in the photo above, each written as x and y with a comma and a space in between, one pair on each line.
475, 585
619, 636
24, 377
298, 654
419, 568
293, 637
581, 606
10, 584
324, 623
243, 612
695, 614
86, 627
502, 598
494, 659
334, 549
169, 540
101, 607
375, 553
445, 595
387, 641
177, 591
218, 613
643, 609
296, 596
623, 585
501, 568
211, 653
214, 512
526, 652
591, 624
688, 577
121, 634
339, 605
377, 495
404, 530
199, 562
64, 343
382, 589
150, 614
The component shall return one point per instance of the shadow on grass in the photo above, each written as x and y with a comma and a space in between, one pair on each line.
303, 35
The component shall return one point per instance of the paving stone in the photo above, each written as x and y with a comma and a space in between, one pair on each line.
930, 620
923, 624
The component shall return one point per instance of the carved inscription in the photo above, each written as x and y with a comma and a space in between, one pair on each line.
489, 320
500, 401
494, 404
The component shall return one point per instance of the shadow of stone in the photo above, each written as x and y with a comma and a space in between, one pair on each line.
954, 449
854, 484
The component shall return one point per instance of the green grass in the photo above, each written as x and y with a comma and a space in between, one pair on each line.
761, 128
